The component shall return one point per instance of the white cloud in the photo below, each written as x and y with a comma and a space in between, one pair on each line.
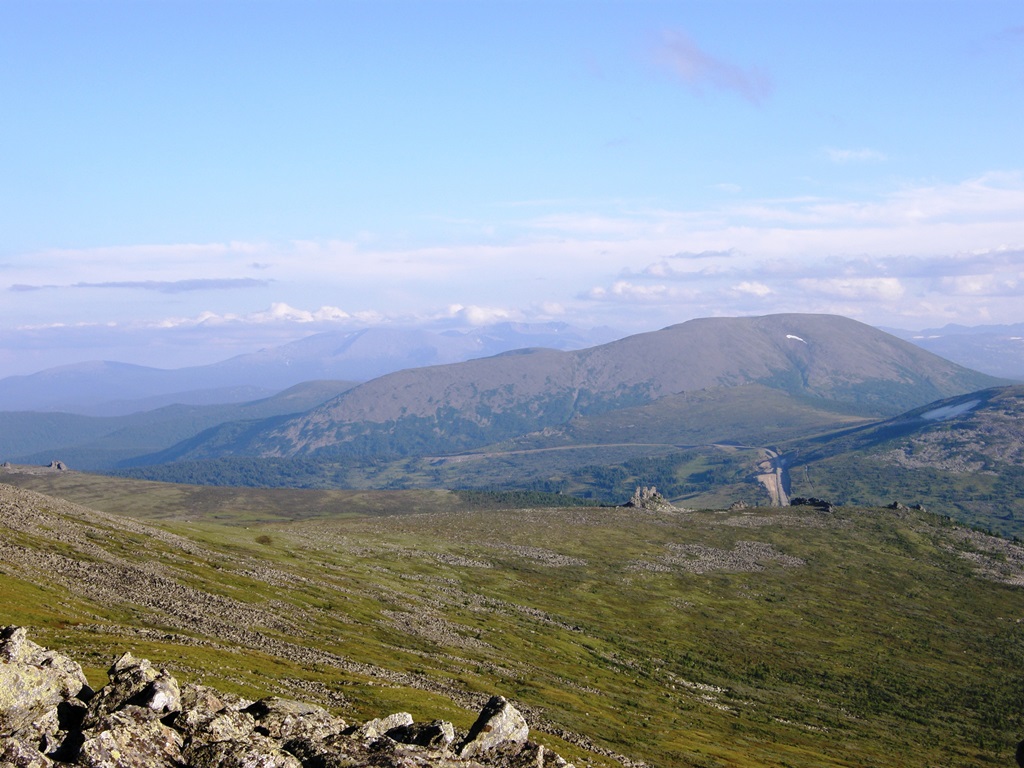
686, 266
203, 318
985, 213
548, 309
279, 313
625, 291
1011, 284
474, 315
162, 286
156, 256
753, 288
857, 289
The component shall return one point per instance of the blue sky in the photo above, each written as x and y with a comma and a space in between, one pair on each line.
182, 181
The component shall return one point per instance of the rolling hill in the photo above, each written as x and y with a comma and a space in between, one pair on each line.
828, 363
698, 409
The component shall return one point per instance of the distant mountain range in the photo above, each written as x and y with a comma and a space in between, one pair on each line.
116, 389
826, 370
994, 349
104, 388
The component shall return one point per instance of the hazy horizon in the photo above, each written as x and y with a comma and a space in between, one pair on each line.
188, 181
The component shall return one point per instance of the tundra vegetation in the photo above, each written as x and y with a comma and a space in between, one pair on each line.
797, 636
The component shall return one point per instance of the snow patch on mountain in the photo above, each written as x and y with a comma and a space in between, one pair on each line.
949, 411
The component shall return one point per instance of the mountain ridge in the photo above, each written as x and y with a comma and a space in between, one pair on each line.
105, 388
839, 361
995, 349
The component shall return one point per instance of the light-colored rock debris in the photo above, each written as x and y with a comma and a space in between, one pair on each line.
142, 718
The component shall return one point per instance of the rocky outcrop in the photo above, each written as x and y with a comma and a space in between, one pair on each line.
823, 504
142, 718
649, 498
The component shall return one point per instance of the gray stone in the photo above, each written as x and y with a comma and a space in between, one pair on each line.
22, 753
255, 752
499, 725
207, 717
134, 682
210, 727
284, 719
33, 681
195, 696
437, 734
142, 719
372, 730
649, 498
132, 738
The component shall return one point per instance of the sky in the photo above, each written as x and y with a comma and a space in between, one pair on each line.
184, 181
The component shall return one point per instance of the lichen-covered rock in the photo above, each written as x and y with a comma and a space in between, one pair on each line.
372, 730
207, 717
22, 753
211, 728
285, 719
132, 738
195, 696
15, 647
134, 682
255, 752
390, 753
499, 725
33, 681
437, 734
338, 751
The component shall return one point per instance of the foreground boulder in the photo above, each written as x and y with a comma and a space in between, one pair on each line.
500, 726
142, 718
134, 682
34, 683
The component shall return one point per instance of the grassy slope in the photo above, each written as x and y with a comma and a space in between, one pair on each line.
883, 648
239, 506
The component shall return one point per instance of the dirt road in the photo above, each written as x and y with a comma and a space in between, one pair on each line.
774, 477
